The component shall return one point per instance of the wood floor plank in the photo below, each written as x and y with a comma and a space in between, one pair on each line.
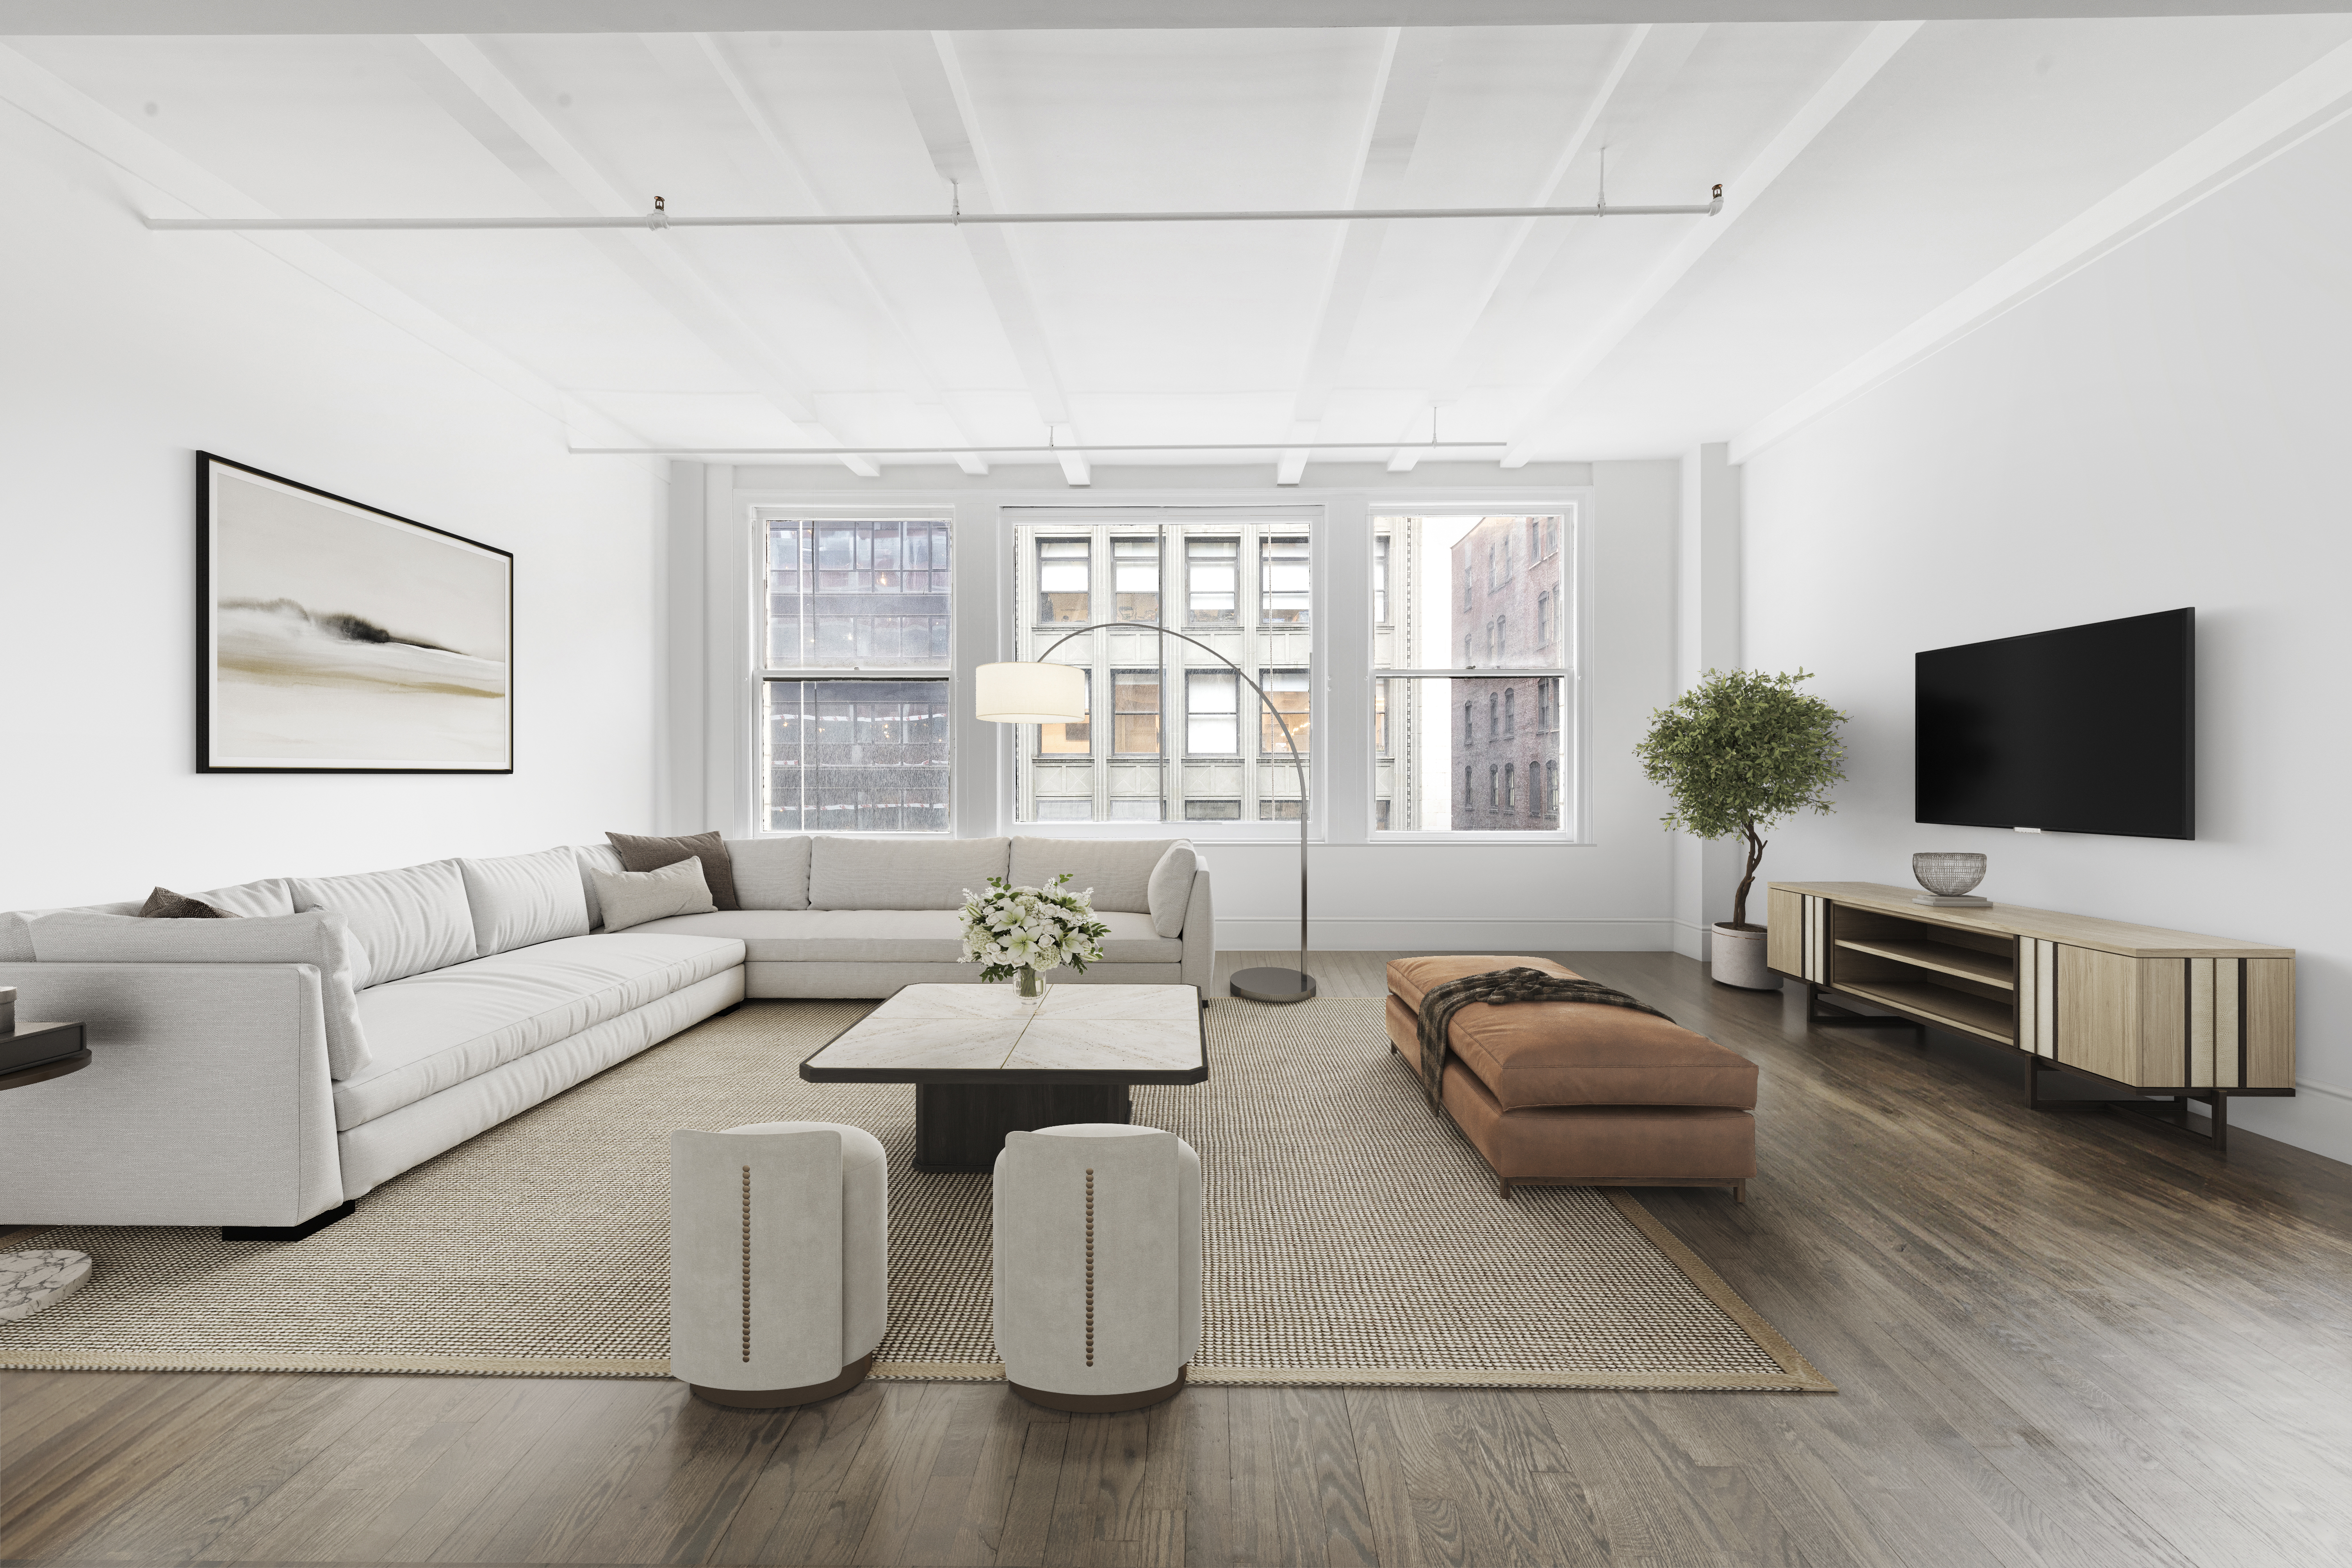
1203, 1424
793, 1499
876, 1509
1028, 1526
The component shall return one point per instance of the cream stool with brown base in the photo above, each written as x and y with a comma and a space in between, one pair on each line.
779, 1261
1098, 1264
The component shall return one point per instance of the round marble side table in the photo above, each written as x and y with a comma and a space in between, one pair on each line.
32, 1280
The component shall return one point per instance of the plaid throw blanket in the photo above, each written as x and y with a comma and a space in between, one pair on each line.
1440, 1002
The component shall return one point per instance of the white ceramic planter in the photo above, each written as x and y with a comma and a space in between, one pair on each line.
1739, 959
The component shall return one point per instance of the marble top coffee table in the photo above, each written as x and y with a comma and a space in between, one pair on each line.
985, 1062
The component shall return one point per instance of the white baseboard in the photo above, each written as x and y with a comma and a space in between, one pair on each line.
1693, 941
1638, 935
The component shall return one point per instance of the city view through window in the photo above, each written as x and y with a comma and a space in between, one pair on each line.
1184, 740
853, 737
1474, 649
1484, 750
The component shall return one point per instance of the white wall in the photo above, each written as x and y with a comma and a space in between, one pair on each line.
1614, 892
2169, 427
121, 352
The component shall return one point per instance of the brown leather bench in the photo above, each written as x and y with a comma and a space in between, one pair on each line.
1576, 1094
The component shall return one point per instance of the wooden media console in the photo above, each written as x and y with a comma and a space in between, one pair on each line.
2162, 1013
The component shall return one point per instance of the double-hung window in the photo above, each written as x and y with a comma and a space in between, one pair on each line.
1183, 739
1135, 578
854, 707
1212, 581
1500, 653
1211, 713
1063, 586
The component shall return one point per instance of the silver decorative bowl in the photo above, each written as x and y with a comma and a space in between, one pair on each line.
1948, 875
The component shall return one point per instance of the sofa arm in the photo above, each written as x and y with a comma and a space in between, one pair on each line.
1200, 935
207, 1100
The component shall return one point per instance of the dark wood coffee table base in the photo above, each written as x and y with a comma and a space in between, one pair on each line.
961, 1126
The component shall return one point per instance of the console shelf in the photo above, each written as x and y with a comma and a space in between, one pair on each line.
1942, 958
1940, 1005
2150, 1012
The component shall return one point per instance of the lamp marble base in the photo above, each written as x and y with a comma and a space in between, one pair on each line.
1272, 986
32, 1280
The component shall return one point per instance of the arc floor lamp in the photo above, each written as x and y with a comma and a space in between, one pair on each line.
1036, 692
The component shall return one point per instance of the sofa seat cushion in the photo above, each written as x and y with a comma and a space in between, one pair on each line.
1531, 1054
433, 1032
888, 936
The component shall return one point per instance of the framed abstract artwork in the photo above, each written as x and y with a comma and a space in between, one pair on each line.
334, 637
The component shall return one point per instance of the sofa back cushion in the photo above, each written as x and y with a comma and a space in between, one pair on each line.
16, 926
321, 937
270, 896
900, 873
521, 899
771, 873
409, 921
1118, 869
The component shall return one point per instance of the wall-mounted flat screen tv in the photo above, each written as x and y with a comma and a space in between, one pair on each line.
2088, 729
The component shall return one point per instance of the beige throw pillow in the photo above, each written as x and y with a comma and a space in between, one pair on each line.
633, 897
1172, 888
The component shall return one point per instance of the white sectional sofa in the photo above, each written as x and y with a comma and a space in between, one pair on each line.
264, 1071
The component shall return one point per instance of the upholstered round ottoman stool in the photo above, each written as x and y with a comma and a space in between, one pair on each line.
779, 1261
1097, 1303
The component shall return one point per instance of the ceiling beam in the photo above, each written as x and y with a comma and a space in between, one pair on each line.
1524, 258
496, 112
2297, 108
1740, 193
1403, 83
931, 76
700, 56
292, 17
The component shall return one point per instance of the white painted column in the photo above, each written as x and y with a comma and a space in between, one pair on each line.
678, 610
1706, 637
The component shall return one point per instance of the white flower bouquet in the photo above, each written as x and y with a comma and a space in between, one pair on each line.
1025, 931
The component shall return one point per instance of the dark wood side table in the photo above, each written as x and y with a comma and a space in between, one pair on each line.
38, 1278
38, 1052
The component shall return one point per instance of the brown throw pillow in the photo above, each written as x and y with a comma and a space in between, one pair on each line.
164, 904
652, 854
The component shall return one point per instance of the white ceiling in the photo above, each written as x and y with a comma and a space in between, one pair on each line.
1887, 168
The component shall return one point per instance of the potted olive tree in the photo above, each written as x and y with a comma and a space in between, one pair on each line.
1741, 752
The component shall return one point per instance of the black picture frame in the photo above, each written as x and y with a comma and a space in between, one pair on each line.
302, 670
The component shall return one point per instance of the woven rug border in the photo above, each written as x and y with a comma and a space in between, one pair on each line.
1798, 1374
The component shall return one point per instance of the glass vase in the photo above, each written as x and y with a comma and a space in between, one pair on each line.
1032, 984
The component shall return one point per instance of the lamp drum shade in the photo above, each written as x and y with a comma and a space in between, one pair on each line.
1030, 694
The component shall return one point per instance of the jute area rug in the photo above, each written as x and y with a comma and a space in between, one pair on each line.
1351, 1238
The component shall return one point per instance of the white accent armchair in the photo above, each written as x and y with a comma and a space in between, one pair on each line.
779, 1271
1098, 1287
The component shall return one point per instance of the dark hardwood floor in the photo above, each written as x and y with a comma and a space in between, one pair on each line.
2059, 1339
